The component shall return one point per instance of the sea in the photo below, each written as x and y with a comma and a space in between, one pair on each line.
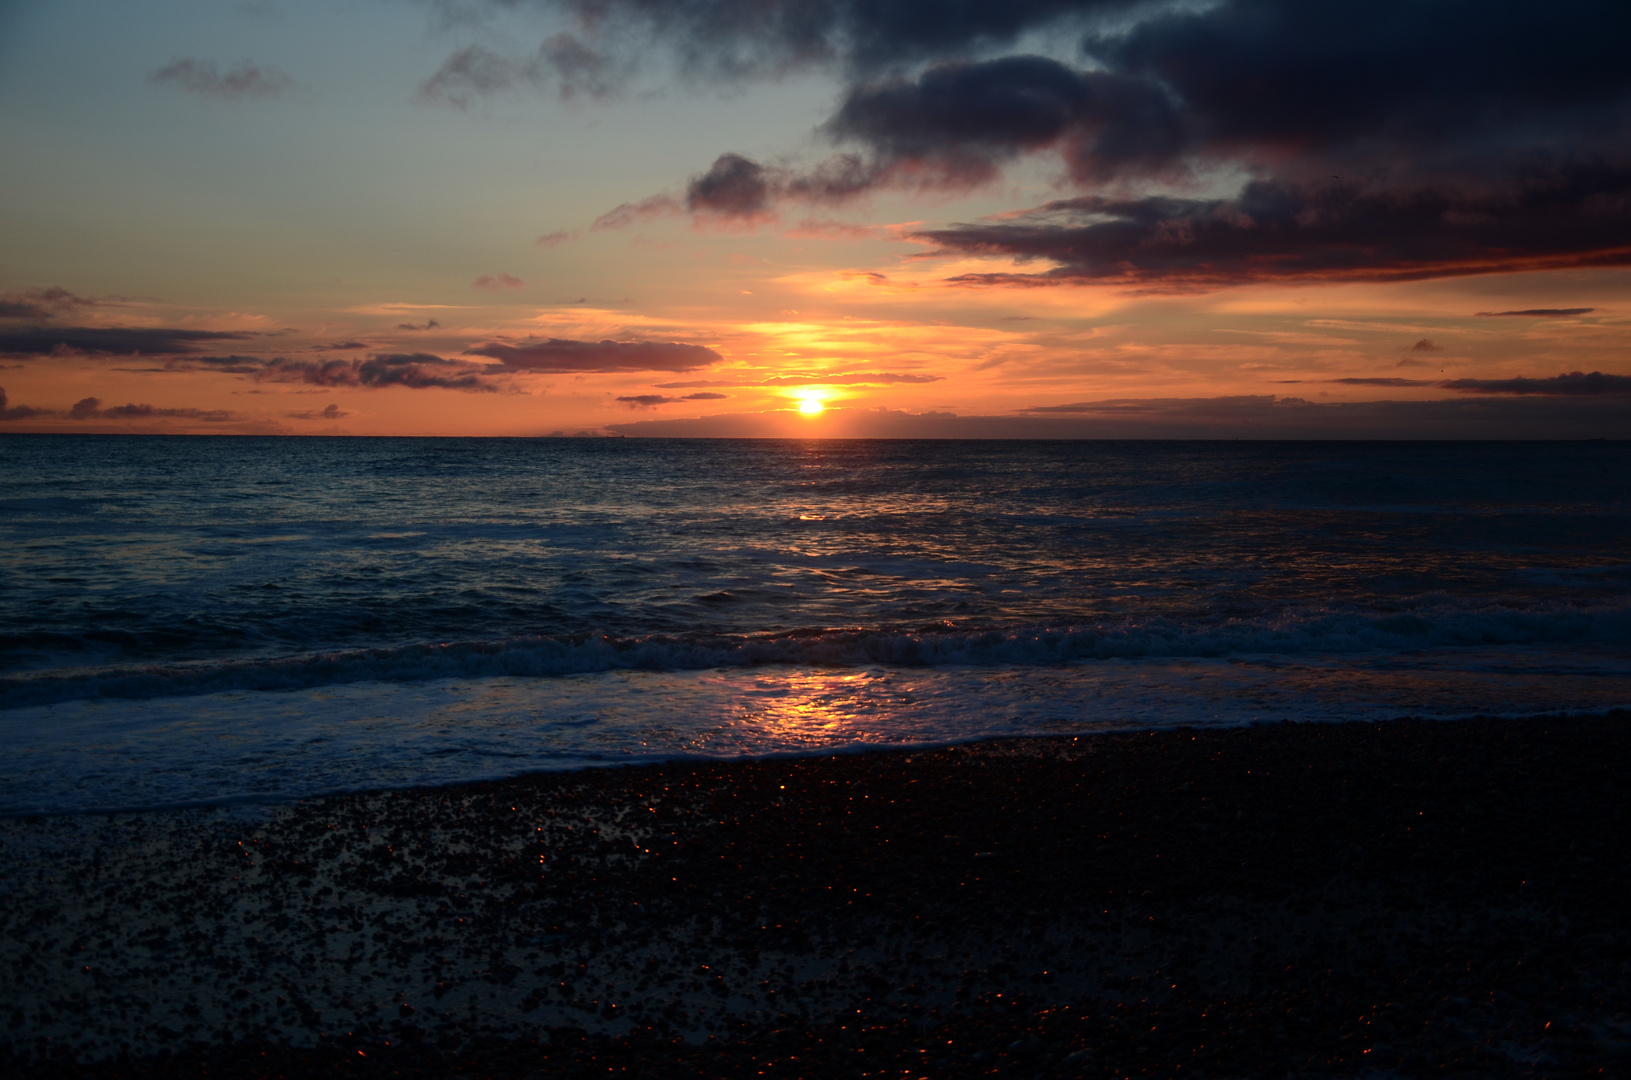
218, 621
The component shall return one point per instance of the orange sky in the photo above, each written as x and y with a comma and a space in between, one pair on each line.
341, 221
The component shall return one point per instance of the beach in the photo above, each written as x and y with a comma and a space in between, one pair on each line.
1411, 898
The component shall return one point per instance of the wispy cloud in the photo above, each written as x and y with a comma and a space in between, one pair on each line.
328, 412
206, 79
562, 355
91, 409
649, 401
1538, 313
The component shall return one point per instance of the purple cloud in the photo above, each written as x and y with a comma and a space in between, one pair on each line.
416, 371
109, 341
15, 412
1573, 384
1538, 313
560, 355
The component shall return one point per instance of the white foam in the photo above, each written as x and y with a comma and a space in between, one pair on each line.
252, 746
1434, 622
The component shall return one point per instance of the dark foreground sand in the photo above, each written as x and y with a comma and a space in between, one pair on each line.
1405, 899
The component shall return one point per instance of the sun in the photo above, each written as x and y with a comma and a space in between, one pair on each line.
810, 406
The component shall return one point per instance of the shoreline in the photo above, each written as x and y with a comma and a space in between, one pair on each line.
1306, 898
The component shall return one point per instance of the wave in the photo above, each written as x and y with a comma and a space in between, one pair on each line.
1322, 631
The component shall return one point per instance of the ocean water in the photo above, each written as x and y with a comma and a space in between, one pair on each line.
208, 620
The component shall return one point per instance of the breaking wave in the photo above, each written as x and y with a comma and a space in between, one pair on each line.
1333, 632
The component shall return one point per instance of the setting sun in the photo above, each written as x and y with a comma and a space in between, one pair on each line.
810, 406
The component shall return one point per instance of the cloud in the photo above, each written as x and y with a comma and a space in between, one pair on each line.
498, 283
1320, 230
109, 341
1463, 139
621, 217
341, 346
430, 324
15, 412
555, 239
827, 229
733, 187
647, 401
562, 64
1573, 384
558, 355
417, 371
41, 303
1254, 417
743, 39
90, 409
1538, 313
1426, 345
328, 412
206, 79
858, 378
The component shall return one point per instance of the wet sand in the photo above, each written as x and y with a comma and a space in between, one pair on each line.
1401, 899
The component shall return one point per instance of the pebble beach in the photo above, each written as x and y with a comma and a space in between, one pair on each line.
1399, 899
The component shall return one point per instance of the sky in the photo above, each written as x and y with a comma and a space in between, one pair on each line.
983, 218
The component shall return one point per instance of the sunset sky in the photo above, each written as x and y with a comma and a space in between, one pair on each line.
829, 217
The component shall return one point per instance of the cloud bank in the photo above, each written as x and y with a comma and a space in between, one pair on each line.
109, 341
563, 356
1387, 140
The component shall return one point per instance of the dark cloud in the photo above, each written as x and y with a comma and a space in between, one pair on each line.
15, 412
234, 364
1458, 137
647, 401
559, 355
732, 187
735, 39
343, 346
1539, 313
205, 78
109, 341
41, 303
328, 412
955, 124
90, 409
417, 371
1379, 382
430, 324
1573, 384
1426, 345
1562, 218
